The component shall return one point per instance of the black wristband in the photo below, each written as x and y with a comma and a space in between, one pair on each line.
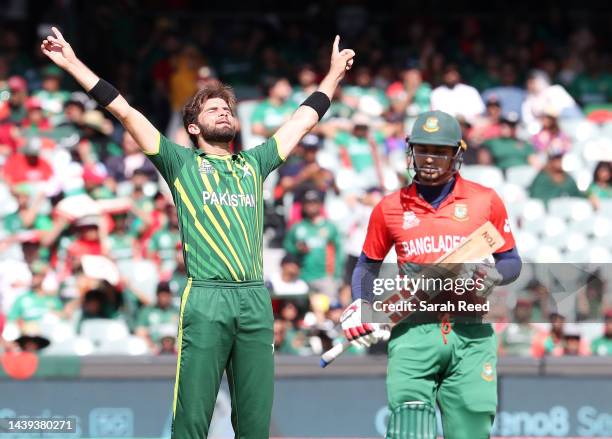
103, 93
319, 102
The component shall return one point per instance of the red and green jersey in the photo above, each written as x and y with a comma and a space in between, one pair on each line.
322, 239
219, 205
422, 233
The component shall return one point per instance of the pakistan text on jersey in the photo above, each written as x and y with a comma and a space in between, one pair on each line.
431, 244
228, 199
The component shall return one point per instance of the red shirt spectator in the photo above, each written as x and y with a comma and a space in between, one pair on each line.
35, 118
26, 166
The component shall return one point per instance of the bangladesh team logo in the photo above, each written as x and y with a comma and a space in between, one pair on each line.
431, 125
487, 372
461, 212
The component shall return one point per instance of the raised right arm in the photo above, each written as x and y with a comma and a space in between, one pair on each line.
58, 50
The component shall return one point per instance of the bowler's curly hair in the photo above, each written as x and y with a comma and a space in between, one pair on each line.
193, 107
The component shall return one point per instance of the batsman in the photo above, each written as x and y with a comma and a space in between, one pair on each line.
445, 358
226, 321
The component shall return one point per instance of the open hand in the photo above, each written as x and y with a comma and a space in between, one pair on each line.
341, 61
58, 50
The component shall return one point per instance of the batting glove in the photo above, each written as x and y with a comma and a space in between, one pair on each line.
359, 333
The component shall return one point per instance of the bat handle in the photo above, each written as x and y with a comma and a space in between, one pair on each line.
334, 353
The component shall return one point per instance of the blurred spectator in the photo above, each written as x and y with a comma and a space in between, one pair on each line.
455, 97
163, 243
594, 84
303, 173
87, 242
122, 167
550, 137
270, 114
95, 182
182, 82
591, 300
552, 181
152, 318
517, 337
550, 342
27, 166
601, 187
361, 208
102, 302
51, 96
30, 308
287, 281
603, 345
508, 94
35, 120
288, 337
316, 242
178, 277
410, 95
359, 151
121, 244
507, 150
363, 96
542, 96
96, 131
308, 84
167, 340
13, 110
489, 125
28, 215
573, 343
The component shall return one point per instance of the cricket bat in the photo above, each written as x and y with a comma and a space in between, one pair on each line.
480, 244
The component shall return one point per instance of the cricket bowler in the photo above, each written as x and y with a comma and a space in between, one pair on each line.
449, 359
226, 321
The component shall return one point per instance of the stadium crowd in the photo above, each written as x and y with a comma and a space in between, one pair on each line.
90, 255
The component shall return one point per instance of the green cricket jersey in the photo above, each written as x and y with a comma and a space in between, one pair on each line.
602, 346
324, 248
219, 204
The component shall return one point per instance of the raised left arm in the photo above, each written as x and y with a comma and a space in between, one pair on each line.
310, 112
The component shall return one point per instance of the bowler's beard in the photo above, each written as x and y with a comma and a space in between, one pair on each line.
217, 134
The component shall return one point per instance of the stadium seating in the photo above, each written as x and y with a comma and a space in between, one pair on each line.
570, 208
488, 176
141, 274
521, 175
130, 345
71, 346
100, 331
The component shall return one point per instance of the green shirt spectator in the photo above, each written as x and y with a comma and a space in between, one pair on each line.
356, 147
553, 182
316, 241
507, 152
603, 345
152, 319
270, 114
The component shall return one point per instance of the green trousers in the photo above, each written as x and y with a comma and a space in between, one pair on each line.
224, 326
455, 369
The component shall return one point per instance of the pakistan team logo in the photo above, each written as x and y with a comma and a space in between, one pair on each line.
206, 168
487, 372
431, 125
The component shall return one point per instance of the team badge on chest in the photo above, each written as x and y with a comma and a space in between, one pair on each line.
206, 168
410, 220
461, 212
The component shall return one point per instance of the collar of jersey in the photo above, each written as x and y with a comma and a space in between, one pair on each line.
458, 192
